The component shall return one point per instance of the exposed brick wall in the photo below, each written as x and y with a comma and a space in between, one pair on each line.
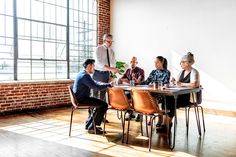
15, 97
103, 19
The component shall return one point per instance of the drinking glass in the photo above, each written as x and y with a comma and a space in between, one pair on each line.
160, 86
132, 83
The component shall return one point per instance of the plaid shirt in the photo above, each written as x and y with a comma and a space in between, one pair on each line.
158, 76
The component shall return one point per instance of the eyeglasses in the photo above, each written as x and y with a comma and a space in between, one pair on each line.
109, 41
183, 61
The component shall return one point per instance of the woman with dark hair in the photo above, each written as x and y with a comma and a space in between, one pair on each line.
160, 75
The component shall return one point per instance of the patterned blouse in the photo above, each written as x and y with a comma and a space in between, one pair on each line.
158, 76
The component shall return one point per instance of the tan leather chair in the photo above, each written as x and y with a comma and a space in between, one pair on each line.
76, 106
145, 104
118, 101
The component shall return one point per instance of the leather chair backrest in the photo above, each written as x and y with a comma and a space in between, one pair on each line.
143, 102
72, 97
118, 99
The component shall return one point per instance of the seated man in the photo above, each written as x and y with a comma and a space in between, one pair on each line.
133, 73
82, 86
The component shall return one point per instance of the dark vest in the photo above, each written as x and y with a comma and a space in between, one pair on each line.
185, 79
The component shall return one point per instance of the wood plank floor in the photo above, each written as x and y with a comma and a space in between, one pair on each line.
46, 134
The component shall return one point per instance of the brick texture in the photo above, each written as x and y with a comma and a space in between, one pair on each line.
103, 19
21, 96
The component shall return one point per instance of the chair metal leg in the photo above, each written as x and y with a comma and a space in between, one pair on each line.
186, 115
189, 107
141, 125
203, 121
104, 124
123, 126
127, 134
150, 136
197, 115
71, 117
146, 125
197, 120
118, 114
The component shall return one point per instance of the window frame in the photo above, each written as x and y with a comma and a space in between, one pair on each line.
74, 50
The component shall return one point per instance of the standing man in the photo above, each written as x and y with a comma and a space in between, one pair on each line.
82, 86
105, 64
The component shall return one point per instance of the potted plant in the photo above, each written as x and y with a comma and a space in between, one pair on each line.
121, 66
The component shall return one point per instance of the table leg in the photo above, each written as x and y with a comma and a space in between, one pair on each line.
175, 123
167, 122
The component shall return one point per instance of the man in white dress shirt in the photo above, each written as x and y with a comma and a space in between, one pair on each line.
105, 64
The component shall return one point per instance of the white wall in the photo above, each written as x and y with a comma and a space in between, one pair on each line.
171, 28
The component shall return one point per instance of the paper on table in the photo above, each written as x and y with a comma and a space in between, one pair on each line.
178, 87
123, 85
143, 87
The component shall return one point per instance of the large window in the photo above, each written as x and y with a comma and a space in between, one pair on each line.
6, 40
45, 39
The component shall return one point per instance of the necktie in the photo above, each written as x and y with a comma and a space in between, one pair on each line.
108, 60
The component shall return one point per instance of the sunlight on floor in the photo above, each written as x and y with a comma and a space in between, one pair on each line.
57, 131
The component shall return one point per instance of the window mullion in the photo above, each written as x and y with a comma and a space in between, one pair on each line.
68, 40
15, 27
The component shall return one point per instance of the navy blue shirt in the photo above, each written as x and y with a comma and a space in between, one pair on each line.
158, 76
83, 83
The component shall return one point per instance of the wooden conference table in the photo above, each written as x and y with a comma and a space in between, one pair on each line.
171, 91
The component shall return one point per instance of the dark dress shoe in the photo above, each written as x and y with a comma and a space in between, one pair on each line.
98, 131
99, 128
106, 120
158, 125
163, 128
129, 116
132, 115
138, 118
